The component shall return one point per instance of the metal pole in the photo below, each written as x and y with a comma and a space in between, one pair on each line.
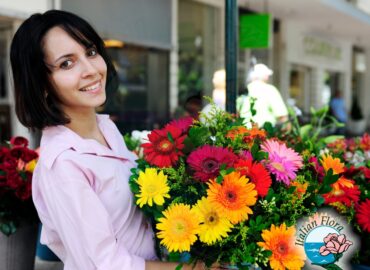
231, 53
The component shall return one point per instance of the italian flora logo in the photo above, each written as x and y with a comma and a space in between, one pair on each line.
327, 240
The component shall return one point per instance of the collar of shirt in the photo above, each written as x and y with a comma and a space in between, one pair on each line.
57, 139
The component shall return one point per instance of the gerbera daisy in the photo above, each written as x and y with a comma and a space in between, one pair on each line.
328, 162
345, 195
212, 225
178, 228
153, 187
257, 173
285, 254
183, 123
164, 147
233, 197
207, 160
363, 215
283, 161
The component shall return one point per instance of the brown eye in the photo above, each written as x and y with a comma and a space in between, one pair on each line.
92, 52
66, 64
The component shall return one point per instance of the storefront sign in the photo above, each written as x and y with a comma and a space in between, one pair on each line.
322, 48
255, 31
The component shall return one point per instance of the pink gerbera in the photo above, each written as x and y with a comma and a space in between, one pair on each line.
283, 161
363, 215
207, 160
183, 123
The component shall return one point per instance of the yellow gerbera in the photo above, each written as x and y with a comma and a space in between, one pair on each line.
178, 228
212, 226
328, 162
233, 197
153, 187
285, 254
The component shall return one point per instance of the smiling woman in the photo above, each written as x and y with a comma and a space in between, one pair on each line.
80, 184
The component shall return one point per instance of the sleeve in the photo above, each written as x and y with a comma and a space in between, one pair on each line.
82, 222
277, 103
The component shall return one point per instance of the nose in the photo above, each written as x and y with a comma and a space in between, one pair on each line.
88, 68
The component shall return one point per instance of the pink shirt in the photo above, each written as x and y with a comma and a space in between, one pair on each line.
81, 192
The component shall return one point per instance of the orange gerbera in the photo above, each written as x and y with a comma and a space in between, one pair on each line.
328, 162
285, 254
233, 197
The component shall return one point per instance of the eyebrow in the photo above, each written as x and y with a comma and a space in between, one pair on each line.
63, 56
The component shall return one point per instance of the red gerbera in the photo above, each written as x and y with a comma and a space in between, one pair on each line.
164, 147
183, 123
256, 173
344, 195
363, 215
207, 160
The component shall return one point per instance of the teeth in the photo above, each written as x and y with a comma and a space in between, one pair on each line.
92, 87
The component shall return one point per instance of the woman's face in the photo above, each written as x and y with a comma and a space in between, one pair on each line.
78, 74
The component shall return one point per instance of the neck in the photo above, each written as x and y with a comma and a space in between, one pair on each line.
84, 124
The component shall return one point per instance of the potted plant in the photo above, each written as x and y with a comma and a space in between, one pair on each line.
18, 217
357, 122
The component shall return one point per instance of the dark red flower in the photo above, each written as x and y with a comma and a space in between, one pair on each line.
366, 172
164, 147
363, 215
23, 153
351, 172
206, 161
257, 173
19, 141
24, 191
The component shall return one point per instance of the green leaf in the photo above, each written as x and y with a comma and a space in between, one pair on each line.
333, 138
179, 267
170, 138
330, 178
324, 189
305, 130
319, 200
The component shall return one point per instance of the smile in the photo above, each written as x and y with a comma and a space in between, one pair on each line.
92, 88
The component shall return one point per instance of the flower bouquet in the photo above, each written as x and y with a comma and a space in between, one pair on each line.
17, 162
217, 191
354, 167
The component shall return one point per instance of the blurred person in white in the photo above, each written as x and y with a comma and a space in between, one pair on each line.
218, 93
269, 104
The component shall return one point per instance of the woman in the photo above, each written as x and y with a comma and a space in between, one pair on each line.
80, 184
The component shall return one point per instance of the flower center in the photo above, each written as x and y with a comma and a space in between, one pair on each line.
210, 165
151, 189
230, 196
179, 227
282, 248
278, 166
165, 146
212, 218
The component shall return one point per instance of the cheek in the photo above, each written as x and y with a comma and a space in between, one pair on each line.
64, 83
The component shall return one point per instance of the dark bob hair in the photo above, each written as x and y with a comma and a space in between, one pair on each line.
36, 103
